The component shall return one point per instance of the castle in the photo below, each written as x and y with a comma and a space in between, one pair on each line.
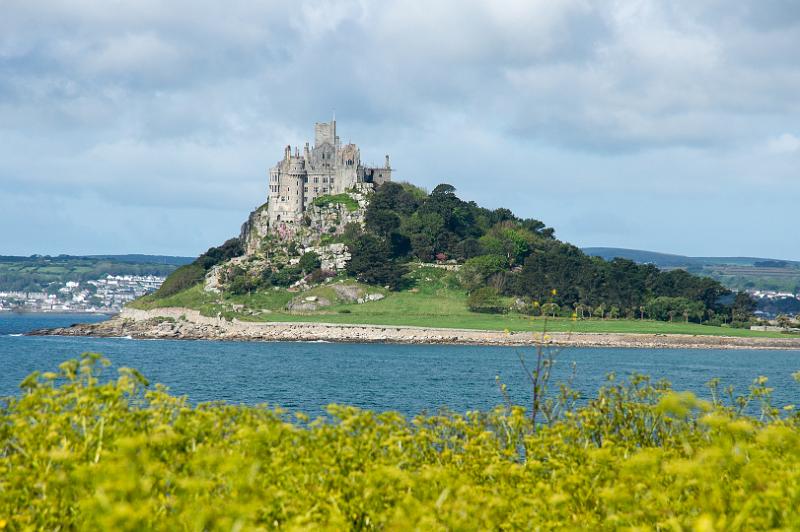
326, 169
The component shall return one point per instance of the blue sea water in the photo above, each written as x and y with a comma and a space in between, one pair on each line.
408, 378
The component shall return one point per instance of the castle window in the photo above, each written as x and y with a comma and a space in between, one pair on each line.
316, 189
316, 180
324, 179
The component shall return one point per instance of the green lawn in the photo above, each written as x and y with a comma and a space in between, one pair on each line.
432, 302
343, 199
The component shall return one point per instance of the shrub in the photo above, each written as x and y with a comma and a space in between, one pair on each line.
485, 300
184, 277
81, 452
319, 276
230, 249
476, 271
286, 276
309, 261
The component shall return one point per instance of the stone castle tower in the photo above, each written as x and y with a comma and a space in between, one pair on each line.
328, 168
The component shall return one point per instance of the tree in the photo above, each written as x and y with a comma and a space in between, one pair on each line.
743, 307
508, 240
309, 262
666, 308
371, 262
382, 222
551, 309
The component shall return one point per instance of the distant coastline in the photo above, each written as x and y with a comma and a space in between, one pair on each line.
186, 324
58, 311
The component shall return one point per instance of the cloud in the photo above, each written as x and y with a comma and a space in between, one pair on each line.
184, 104
786, 143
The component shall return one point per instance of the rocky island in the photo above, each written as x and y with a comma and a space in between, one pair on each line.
341, 252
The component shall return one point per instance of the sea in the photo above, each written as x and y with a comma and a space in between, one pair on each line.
411, 379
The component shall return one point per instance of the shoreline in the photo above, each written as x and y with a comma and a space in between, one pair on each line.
185, 324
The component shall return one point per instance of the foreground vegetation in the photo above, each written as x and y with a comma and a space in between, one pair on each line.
78, 451
432, 297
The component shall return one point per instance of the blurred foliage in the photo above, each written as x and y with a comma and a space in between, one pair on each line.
79, 450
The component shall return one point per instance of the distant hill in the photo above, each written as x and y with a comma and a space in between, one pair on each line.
734, 272
145, 259
38, 272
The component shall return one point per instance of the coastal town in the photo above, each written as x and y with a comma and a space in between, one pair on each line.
106, 295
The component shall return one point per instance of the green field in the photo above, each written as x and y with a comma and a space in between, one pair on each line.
432, 301
37, 273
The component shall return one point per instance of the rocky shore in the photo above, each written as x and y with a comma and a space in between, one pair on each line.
184, 324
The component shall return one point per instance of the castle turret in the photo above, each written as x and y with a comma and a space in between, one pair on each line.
327, 168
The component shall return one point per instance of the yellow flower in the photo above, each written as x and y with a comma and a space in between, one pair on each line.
554, 292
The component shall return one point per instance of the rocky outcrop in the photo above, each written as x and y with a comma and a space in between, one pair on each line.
307, 304
331, 218
177, 323
333, 257
320, 220
254, 230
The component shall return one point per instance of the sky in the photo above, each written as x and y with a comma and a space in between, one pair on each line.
143, 126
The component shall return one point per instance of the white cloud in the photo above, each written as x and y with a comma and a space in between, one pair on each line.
786, 143
189, 101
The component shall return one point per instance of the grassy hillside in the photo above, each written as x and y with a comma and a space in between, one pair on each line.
431, 299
